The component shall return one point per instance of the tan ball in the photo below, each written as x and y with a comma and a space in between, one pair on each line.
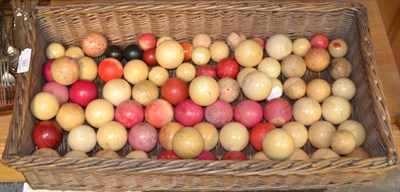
293, 66
88, 68
82, 138
186, 71
318, 89
257, 86
117, 91
166, 134
204, 90
320, 134
188, 143
44, 106
343, 142
341, 67
243, 73
112, 135
219, 50
299, 155
137, 155
170, 54
234, 136
298, 132
344, 87
98, 112
201, 40
294, 88
278, 46
301, 46
65, 70
278, 144
336, 109
317, 59
135, 70
356, 128
359, 152
229, 89
46, 152
248, 53
144, 92
107, 153
162, 39
74, 52
277, 89
54, 51
70, 115
307, 111
338, 47
209, 133
200, 55
259, 156
76, 154
324, 153
158, 75
270, 66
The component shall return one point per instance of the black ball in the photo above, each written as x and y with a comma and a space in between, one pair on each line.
132, 52
115, 51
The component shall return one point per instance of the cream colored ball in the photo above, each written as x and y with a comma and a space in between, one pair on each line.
112, 135
44, 106
117, 91
344, 87
307, 111
98, 112
257, 86
301, 46
356, 128
318, 89
278, 144
186, 71
248, 53
293, 66
242, 74
294, 88
270, 66
343, 142
204, 90
234, 136
219, 50
135, 71
278, 46
324, 153
158, 75
82, 138
74, 52
298, 132
320, 134
336, 109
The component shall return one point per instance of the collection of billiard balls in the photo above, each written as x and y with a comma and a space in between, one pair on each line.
228, 93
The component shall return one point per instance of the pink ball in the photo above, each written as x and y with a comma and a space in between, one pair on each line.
206, 155
82, 92
47, 70
219, 113
129, 113
143, 136
278, 111
58, 90
188, 113
248, 113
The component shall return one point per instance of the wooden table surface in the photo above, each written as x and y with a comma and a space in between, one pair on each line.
384, 57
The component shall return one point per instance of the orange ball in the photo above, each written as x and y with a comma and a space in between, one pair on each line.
317, 59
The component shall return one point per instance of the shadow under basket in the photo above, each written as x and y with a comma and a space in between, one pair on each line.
123, 23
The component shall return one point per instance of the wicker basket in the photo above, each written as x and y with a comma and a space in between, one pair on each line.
122, 23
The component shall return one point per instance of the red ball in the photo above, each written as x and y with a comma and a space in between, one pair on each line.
219, 113
206, 70
206, 155
234, 155
168, 155
47, 134
82, 92
248, 113
227, 67
188, 113
257, 134
147, 41
129, 113
143, 137
319, 41
159, 112
175, 90
278, 111
47, 70
149, 57
110, 68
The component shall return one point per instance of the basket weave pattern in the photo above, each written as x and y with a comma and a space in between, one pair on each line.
123, 23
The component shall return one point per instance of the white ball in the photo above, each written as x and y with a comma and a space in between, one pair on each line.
278, 46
